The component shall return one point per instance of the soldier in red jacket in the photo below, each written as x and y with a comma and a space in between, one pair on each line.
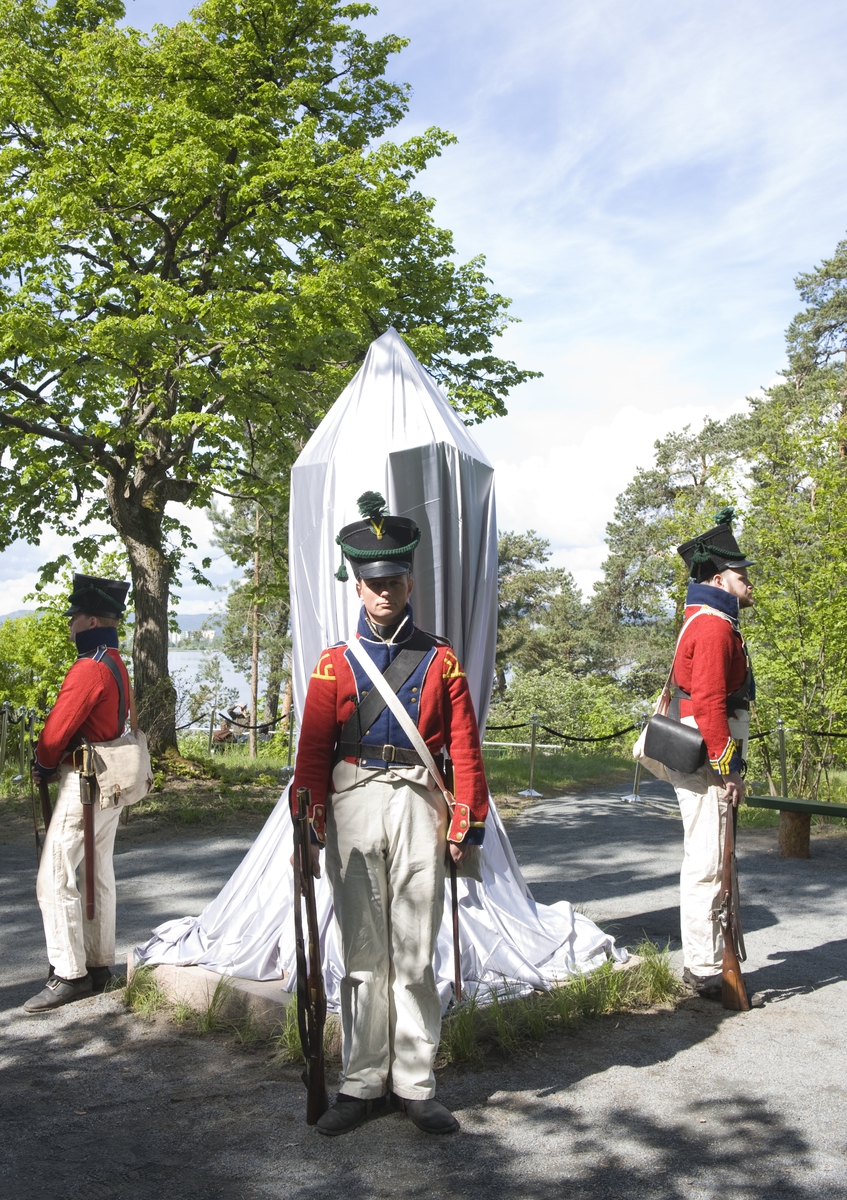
88, 706
385, 826
714, 686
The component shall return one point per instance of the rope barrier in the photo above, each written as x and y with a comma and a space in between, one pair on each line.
566, 737
607, 737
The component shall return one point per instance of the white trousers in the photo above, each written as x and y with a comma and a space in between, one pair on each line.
73, 942
385, 848
703, 809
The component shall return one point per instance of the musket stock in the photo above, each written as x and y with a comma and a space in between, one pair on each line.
733, 990
311, 997
46, 806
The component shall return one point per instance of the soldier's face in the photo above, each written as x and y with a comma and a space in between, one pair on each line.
78, 622
737, 583
385, 599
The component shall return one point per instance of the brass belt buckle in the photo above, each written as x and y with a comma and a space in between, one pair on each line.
388, 753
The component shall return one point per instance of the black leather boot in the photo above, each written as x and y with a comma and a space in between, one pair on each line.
100, 977
58, 992
429, 1115
710, 987
348, 1112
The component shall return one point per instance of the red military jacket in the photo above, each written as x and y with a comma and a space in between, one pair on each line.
444, 715
87, 704
711, 664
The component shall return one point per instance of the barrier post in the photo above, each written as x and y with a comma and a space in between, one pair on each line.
783, 769
530, 791
4, 734
633, 797
795, 828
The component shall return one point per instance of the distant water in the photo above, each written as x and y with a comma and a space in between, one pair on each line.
187, 663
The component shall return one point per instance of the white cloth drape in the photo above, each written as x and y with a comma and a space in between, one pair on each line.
392, 430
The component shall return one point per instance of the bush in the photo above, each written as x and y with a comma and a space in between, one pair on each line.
576, 705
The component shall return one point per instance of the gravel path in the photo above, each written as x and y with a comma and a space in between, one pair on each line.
691, 1103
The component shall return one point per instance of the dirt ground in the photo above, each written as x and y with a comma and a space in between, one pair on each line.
693, 1102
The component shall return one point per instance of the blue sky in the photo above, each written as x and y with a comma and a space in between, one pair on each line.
646, 180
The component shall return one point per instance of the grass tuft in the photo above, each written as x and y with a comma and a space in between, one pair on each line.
507, 1024
143, 994
287, 1039
211, 1018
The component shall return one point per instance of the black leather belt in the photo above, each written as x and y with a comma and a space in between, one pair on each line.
389, 754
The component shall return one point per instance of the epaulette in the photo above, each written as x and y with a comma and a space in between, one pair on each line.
439, 641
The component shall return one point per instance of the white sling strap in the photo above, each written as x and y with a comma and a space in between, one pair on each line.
392, 701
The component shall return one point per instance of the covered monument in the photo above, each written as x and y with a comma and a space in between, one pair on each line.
393, 430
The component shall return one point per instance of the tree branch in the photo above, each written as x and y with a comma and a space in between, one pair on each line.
94, 447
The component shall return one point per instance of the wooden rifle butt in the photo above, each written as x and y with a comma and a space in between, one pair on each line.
733, 989
46, 805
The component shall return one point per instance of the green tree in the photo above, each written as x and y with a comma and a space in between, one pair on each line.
637, 608
255, 536
35, 655
797, 531
201, 230
540, 610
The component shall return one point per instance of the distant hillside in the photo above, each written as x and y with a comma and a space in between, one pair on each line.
188, 622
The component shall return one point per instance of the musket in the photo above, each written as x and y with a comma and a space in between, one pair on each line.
454, 902
457, 949
733, 991
311, 996
87, 792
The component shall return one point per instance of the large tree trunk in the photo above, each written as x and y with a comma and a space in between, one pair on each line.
254, 663
140, 528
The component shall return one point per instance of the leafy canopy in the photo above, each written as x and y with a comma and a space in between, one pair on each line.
201, 230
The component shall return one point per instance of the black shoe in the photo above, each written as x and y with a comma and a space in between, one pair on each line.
58, 992
100, 977
429, 1115
348, 1112
709, 987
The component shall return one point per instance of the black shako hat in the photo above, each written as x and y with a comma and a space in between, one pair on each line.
715, 550
97, 597
380, 545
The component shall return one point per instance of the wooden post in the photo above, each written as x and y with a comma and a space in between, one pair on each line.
795, 829
794, 834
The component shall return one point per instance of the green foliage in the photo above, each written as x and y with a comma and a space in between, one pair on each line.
35, 655
540, 613
797, 532
583, 706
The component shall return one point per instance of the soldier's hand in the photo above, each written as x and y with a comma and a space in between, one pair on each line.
461, 854
37, 776
733, 788
316, 860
